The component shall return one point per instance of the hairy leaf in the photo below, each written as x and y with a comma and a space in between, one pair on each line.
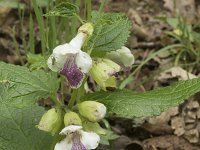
63, 9
37, 61
129, 104
17, 125
27, 87
111, 31
19, 90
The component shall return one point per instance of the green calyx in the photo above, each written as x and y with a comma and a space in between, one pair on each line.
92, 110
92, 127
86, 28
51, 121
72, 118
102, 72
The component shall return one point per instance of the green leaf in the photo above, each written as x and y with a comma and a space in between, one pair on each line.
129, 104
37, 61
27, 87
111, 31
109, 136
18, 130
63, 9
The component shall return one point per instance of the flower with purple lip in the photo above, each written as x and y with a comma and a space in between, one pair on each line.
77, 139
69, 60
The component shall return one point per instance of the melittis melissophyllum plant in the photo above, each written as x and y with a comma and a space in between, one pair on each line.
96, 52
78, 123
81, 128
74, 61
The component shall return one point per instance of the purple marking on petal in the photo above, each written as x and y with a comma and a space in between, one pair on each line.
77, 145
72, 72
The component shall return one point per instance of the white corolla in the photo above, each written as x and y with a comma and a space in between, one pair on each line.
70, 61
77, 139
122, 56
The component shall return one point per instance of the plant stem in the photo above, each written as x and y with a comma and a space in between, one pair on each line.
39, 17
73, 98
89, 9
56, 101
76, 94
31, 35
103, 3
79, 18
55, 140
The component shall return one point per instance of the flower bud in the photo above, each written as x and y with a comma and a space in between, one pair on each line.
72, 118
87, 28
92, 110
51, 121
122, 56
102, 72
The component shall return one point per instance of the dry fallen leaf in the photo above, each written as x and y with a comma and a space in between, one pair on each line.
184, 7
178, 72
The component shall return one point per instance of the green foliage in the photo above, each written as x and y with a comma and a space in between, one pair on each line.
109, 136
18, 4
36, 61
41, 24
19, 90
18, 130
130, 104
186, 34
63, 9
26, 87
111, 31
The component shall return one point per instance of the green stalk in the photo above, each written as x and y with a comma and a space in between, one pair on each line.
103, 3
73, 98
55, 140
89, 9
62, 88
31, 35
85, 10
79, 18
40, 21
56, 101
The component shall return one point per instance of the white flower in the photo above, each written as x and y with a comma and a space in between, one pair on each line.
77, 139
122, 56
70, 61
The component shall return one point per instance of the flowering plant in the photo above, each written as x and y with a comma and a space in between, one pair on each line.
77, 118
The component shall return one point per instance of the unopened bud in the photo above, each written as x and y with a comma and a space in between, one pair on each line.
102, 72
72, 118
92, 110
51, 121
87, 28
122, 56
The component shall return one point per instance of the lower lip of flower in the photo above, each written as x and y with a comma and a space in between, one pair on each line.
72, 72
77, 145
